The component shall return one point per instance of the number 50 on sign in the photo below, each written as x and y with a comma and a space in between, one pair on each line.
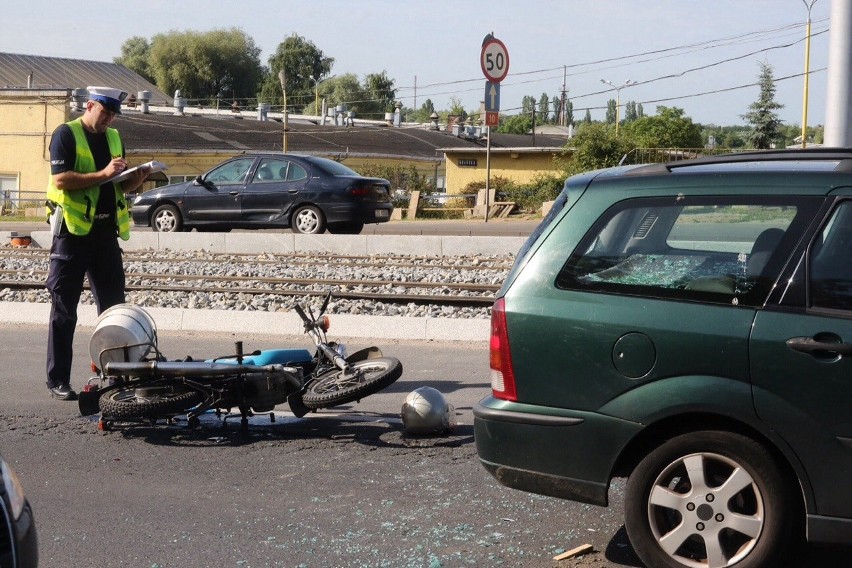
494, 60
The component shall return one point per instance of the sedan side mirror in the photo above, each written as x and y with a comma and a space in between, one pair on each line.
200, 181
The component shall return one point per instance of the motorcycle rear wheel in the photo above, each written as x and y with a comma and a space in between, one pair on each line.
133, 402
367, 377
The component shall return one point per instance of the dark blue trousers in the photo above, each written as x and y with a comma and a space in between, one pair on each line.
97, 256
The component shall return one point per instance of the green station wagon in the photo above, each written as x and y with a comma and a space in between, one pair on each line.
689, 326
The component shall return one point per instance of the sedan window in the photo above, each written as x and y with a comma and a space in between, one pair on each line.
296, 172
230, 173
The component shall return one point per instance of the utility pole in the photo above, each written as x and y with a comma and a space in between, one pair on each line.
838, 115
807, 74
281, 79
563, 114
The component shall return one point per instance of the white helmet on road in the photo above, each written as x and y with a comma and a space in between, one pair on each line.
425, 411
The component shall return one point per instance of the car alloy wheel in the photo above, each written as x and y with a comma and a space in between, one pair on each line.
166, 219
308, 220
709, 500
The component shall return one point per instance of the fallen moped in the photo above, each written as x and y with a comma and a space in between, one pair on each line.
135, 381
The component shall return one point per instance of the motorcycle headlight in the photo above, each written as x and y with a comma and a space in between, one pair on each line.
13, 487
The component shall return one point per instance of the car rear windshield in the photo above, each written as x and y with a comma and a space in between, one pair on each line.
728, 250
331, 167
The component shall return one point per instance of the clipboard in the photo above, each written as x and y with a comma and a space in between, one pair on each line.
151, 167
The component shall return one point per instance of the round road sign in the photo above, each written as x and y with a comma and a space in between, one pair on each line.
494, 60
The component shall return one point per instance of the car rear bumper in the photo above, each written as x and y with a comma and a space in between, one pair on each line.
566, 454
358, 212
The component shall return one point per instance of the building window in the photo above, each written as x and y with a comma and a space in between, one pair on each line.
467, 162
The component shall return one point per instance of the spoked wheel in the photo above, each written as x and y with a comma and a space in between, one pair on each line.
365, 378
708, 500
151, 401
308, 220
166, 219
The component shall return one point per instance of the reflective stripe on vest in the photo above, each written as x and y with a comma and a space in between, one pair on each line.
79, 206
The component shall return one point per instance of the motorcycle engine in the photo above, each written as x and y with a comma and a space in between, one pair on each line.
264, 392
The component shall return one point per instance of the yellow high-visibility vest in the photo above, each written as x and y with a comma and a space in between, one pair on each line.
78, 206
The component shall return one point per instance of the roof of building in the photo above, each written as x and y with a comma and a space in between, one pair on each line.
164, 130
170, 132
39, 72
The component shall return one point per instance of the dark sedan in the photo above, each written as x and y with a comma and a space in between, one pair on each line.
18, 540
267, 191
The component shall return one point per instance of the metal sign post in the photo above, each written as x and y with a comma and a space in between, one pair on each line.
494, 60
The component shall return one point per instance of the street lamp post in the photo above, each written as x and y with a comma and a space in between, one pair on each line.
627, 83
316, 90
281, 79
807, 73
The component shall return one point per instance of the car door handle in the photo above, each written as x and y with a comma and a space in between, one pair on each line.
292, 191
820, 349
233, 193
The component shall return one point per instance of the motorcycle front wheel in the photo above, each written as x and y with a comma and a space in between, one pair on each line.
365, 378
134, 402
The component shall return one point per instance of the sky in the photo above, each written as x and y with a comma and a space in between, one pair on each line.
698, 55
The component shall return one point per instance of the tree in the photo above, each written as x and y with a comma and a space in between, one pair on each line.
762, 115
423, 114
206, 66
457, 109
379, 96
135, 54
668, 129
304, 66
596, 146
611, 111
631, 111
527, 104
587, 119
518, 124
342, 90
557, 111
543, 109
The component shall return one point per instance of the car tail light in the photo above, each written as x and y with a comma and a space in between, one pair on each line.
360, 191
502, 373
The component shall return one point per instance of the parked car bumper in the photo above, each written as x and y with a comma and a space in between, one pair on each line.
363, 212
140, 215
566, 454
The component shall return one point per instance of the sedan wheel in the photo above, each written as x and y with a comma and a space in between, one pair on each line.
708, 500
166, 219
308, 220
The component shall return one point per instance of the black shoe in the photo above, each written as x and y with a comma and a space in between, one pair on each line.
63, 392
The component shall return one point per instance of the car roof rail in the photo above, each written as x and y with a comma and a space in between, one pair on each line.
842, 155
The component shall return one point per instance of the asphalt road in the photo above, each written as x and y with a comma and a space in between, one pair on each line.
335, 489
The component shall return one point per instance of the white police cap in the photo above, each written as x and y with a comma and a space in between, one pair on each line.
107, 96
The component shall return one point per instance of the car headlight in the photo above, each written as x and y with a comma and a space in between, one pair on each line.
14, 489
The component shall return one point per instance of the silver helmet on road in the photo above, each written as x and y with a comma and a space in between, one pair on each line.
426, 411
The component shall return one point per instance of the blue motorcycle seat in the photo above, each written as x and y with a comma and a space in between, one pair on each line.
274, 357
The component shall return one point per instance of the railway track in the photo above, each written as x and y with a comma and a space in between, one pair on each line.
421, 281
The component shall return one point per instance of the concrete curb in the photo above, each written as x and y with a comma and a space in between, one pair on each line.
272, 323
283, 243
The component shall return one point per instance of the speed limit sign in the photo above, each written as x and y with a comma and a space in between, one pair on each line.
494, 59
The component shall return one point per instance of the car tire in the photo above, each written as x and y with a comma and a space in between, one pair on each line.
166, 219
308, 220
709, 498
350, 228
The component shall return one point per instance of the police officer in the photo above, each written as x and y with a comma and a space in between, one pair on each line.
88, 213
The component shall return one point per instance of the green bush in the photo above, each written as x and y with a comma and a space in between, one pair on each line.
528, 196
